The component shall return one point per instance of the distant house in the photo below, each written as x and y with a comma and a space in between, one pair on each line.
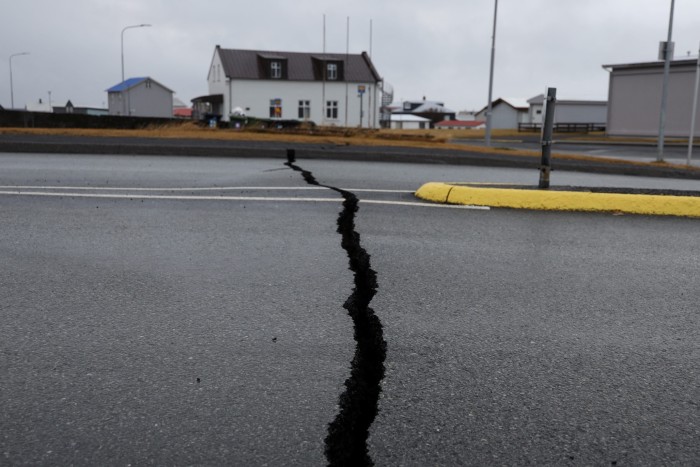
180, 109
460, 125
409, 122
140, 97
634, 98
434, 111
466, 115
570, 111
506, 113
328, 89
39, 106
69, 108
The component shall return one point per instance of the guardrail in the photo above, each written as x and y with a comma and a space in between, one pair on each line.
563, 127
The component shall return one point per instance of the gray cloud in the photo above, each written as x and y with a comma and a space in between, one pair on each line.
437, 49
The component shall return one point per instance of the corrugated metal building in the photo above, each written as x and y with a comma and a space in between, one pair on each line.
634, 98
140, 97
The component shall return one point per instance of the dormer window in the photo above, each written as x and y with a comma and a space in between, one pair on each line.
275, 69
332, 71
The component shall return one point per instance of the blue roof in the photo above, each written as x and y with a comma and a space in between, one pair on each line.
127, 84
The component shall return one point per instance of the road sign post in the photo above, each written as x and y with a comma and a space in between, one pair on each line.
360, 93
546, 140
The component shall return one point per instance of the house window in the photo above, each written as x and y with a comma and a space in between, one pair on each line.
275, 70
275, 108
332, 71
304, 110
148, 83
332, 110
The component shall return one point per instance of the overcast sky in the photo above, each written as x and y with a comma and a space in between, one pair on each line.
439, 49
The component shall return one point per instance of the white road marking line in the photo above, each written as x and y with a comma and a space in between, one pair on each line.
234, 198
429, 205
216, 188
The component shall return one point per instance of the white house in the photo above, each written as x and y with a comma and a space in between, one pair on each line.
140, 97
39, 106
506, 113
434, 111
409, 122
570, 111
328, 89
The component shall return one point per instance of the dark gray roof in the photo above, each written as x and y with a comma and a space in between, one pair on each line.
245, 64
654, 64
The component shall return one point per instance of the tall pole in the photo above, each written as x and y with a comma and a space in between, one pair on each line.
129, 27
668, 55
345, 70
12, 92
695, 108
325, 71
369, 95
493, 56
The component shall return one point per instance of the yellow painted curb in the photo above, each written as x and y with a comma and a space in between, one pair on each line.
660, 205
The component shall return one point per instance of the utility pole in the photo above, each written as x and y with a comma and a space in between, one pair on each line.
493, 56
668, 55
128, 104
12, 92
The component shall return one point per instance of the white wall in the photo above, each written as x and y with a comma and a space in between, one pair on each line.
254, 96
504, 117
571, 112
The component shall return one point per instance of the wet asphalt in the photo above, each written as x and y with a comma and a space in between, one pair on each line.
168, 330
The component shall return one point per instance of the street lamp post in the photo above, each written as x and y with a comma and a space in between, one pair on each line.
129, 27
668, 55
12, 93
493, 55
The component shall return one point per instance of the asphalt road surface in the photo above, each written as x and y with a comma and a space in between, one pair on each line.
673, 153
180, 311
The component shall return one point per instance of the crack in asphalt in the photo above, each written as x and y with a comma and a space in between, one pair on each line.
346, 442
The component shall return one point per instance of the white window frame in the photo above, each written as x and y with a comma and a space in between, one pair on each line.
332, 110
276, 69
332, 71
304, 109
274, 105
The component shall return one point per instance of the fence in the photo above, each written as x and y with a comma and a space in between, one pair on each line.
563, 127
26, 119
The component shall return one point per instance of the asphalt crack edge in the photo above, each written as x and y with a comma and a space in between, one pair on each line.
346, 441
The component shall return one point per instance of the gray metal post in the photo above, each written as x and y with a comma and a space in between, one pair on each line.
547, 130
122, 44
668, 55
695, 108
493, 56
12, 91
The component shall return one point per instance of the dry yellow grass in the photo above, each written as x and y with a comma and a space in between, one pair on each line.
427, 139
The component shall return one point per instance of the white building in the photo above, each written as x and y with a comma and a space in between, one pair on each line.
570, 111
328, 89
409, 122
39, 106
506, 113
140, 97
